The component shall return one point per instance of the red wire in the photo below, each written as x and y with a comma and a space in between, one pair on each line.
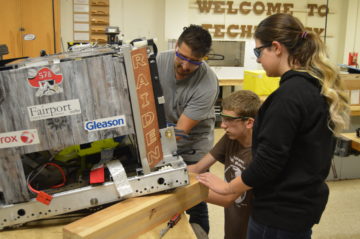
55, 186
62, 173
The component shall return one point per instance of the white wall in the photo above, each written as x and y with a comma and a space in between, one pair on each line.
164, 19
66, 21
136, 18
352, 32
139, 18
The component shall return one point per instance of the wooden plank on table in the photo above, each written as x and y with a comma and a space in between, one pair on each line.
134, 216
355, 141
230, 82
54, 230
351, 81
354, 110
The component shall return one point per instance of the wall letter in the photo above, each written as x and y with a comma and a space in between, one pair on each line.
312, 7
230, 8
318, 30
231, 27
273, 8
218, 7
207, 26
242, 5
258, 11
246, 31
323, 10
218, 29
204, 6
287, 7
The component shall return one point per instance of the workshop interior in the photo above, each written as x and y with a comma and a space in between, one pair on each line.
82, 122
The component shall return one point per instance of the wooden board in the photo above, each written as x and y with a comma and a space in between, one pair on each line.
230, 82
54, 231
147, 107
355, 141
134, 216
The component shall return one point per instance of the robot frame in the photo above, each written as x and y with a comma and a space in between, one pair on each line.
83, 129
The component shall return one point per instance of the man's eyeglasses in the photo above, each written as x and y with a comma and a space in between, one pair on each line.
197, 63
257, 50
229, 118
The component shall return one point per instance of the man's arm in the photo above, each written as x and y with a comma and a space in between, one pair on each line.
185, 124
203, 165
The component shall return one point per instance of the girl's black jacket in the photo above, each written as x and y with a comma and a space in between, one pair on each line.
292, 151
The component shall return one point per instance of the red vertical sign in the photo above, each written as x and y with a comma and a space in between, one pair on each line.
147, 107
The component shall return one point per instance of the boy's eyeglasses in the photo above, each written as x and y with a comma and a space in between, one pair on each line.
257, 50
229, 118
197, 63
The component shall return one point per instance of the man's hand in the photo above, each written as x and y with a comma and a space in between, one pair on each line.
214, 183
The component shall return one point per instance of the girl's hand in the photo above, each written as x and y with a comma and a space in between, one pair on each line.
214, 183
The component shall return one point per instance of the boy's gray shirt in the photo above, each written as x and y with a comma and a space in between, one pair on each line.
195, 97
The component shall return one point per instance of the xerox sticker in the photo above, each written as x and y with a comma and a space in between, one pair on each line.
54, 110
46, 80
19, 138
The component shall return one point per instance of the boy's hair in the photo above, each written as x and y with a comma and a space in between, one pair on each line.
243, 103
197, 38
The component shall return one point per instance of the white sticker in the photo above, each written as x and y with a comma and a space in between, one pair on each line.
105, 123
19, 138
54, 110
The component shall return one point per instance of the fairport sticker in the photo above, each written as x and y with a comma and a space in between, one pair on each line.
54, 110
105, 123
19, 138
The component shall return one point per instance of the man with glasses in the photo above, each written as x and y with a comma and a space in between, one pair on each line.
234, 151
190, 89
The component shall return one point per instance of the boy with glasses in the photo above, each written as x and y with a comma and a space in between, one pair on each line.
190, 90
234, 151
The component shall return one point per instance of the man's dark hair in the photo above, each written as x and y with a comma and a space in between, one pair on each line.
197, 38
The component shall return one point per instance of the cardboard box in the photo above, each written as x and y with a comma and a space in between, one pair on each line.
258, 82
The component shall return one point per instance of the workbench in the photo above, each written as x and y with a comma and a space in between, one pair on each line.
139, 217
355, 141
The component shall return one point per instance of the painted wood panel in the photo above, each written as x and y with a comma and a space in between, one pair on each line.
99, 85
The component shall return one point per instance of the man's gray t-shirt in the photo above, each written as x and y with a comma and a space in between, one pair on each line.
195, 97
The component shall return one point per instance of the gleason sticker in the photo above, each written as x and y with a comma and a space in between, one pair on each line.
46, 80
54, 110
19, 138
105, 123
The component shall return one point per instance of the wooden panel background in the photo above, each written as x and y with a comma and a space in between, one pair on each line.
100, 85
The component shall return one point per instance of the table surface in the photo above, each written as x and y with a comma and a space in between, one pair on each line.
355, 141
183, 195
